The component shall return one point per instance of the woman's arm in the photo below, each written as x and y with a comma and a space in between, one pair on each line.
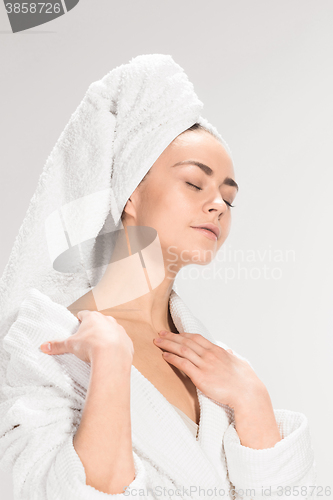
255, 421
269, 452
262, 464
282, 471
42, 401
103, 440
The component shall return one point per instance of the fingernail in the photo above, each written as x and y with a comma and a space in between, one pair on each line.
46, 347
163, 332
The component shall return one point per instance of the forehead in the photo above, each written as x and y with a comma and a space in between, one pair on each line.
202, 147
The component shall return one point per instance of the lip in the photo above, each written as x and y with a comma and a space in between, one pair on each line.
209, 229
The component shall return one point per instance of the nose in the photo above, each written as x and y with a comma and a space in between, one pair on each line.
218, 205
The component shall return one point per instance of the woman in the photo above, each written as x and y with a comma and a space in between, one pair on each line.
114, 407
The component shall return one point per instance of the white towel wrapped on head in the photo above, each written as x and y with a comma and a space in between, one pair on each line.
123, 124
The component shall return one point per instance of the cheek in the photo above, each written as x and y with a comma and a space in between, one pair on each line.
225, 228
170, 225
171, 203
159, 209
168, 209
172, 219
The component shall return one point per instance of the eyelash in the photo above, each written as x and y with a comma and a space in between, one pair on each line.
199, 189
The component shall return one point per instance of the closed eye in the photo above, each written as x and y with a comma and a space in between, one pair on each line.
200, 189
196, 187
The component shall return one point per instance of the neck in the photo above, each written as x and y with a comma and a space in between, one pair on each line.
136, 285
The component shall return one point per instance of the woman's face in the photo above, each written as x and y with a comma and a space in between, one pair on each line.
177, 195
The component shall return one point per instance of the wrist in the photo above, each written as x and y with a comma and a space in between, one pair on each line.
255, 421
254, 397
106, 360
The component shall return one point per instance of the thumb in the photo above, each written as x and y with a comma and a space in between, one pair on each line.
54, 347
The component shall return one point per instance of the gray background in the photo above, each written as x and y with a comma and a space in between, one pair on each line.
264, 72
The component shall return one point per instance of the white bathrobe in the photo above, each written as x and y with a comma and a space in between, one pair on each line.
44, 398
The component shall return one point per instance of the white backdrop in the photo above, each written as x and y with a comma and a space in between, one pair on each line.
264, 72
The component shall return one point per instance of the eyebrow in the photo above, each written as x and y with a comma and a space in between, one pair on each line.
208, 171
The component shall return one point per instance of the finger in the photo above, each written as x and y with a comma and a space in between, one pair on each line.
179, 348
196, 337
82, 314
182, 364
85, 313
230, 350
55, 347
181, 339
194, 340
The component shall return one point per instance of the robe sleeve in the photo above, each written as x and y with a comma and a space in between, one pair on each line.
286, 470
39, 415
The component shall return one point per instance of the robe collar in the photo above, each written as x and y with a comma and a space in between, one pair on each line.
158, 432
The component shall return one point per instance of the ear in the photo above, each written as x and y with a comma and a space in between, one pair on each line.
129, 209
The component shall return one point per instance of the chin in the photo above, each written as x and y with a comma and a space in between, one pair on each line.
204, 257
198, 255
192, 253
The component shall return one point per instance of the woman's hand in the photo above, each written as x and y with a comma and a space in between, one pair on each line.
96, 334
217, 372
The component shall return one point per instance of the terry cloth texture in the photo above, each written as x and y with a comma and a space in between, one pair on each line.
44, 400
120, 128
